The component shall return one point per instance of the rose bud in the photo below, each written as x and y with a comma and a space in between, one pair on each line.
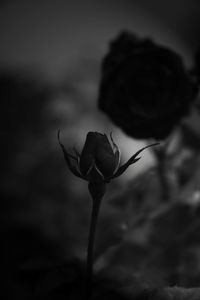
98, 163
99, 160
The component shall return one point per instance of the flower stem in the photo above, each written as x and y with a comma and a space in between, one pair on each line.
165, 188
160, 156
97, 192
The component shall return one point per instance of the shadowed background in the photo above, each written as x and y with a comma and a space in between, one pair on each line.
50, 58
64, 43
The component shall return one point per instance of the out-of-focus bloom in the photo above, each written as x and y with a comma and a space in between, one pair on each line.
99, 160
145, 88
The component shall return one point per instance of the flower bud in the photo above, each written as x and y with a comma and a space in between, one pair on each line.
99, 160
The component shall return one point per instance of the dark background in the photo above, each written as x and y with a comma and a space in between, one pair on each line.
50, 57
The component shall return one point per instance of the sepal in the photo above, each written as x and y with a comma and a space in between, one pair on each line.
131, 161
71, 161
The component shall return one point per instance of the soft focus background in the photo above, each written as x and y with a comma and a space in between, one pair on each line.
50, 59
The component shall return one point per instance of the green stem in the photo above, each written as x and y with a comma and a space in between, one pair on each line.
97, 192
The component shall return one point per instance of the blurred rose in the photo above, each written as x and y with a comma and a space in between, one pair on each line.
145, 88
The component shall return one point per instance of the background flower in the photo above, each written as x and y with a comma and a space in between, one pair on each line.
145, 88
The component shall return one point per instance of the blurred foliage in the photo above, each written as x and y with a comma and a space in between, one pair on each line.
146, 247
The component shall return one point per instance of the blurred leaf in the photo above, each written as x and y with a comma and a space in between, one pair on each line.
179, 293
140, 197
109, 231
173, 222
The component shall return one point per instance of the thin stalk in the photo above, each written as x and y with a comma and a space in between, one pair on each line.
165, 186
161, 155
96, 201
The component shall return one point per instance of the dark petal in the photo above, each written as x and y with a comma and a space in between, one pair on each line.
71, 160
88, 152
132, 160
105, 157
104, 143
141, 128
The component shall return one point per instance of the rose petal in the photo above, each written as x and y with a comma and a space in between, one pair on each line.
88, 152
105, 157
